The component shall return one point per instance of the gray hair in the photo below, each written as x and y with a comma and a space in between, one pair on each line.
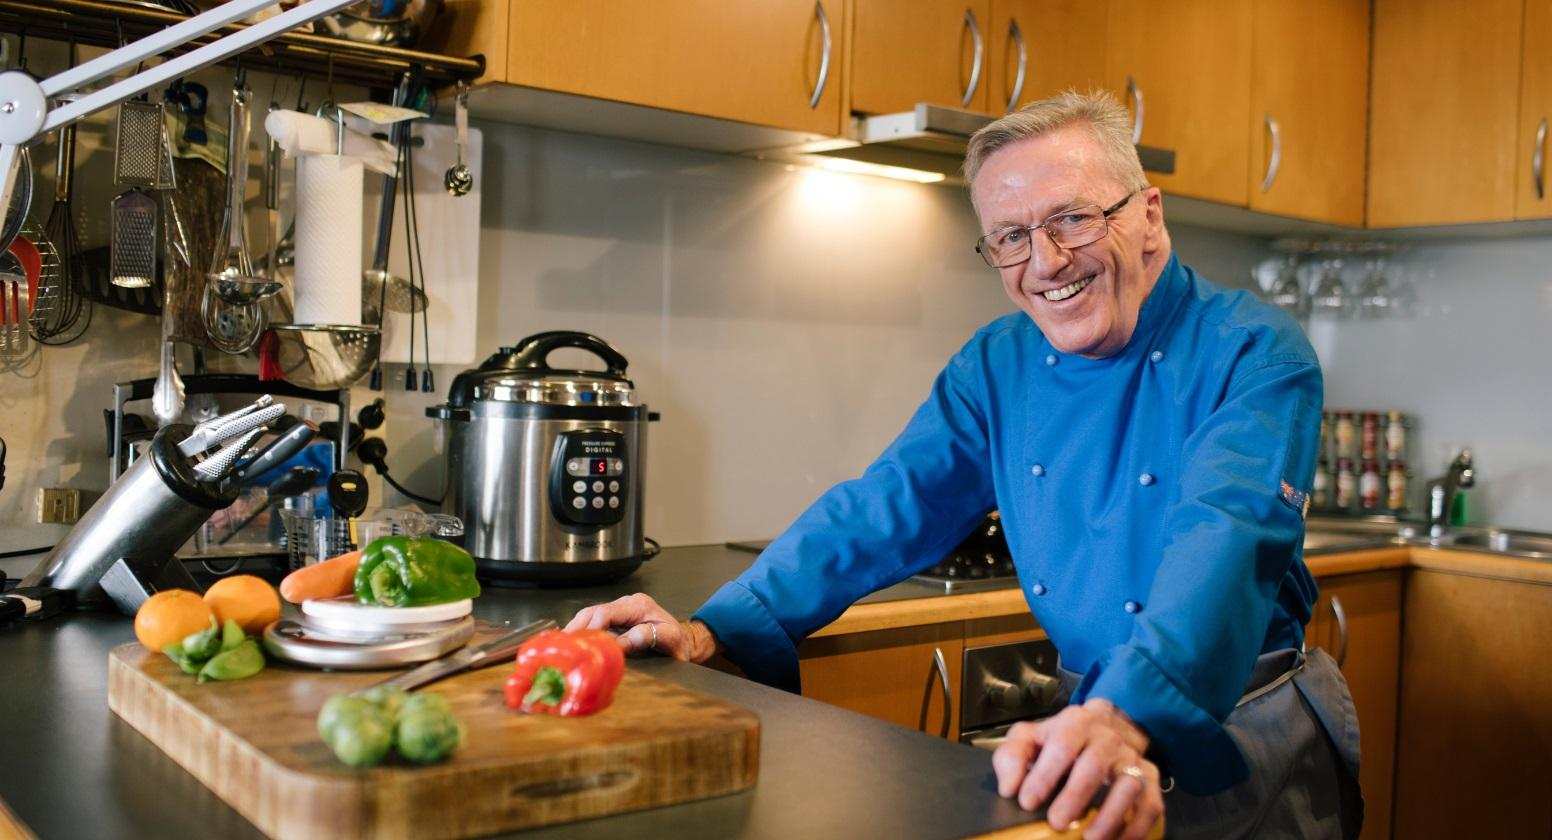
1107, 121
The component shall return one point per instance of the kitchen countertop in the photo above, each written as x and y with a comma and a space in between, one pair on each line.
70, 768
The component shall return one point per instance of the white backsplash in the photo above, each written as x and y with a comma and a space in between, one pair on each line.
785, 322
1474, 367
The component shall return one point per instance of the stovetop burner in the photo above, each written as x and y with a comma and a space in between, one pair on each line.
981, 562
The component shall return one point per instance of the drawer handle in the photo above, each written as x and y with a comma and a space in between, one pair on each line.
976, 60
824, 58
1275, 160
1017, 35
939, 670
1341, 630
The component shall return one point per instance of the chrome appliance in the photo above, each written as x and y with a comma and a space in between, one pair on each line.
545, 465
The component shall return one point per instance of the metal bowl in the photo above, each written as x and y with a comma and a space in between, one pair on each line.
326, 356
397, 23
239, 290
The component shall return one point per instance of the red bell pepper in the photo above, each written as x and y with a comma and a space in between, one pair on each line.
566, 673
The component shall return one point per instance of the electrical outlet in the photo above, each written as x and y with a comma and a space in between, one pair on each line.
59, 504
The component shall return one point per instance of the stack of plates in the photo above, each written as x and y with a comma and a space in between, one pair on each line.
341, 634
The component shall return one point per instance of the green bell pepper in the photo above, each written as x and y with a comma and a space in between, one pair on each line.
414, 572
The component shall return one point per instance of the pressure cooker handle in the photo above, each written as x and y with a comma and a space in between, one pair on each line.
534, 351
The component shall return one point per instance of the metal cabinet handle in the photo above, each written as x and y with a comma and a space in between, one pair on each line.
940, 670
1538, 160
1341, 629
824, 60
1134, 92
977, 60
1017, 34
1274, 161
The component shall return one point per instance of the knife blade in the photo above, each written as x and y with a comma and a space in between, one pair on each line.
468, 658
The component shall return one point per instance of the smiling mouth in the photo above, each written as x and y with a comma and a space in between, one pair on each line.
1067, 291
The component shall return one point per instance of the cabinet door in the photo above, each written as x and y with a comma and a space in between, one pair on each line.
1476, 746
1444, 111
1188, 63
910, 51
1309, 118
1533, 187
1056, 44
1360, 615
887, 674
756, 63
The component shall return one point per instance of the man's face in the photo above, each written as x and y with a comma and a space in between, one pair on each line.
1027, 182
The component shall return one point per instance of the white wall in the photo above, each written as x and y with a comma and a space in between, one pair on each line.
1474, 367
785, 323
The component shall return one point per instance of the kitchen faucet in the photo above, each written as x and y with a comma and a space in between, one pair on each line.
1442, 492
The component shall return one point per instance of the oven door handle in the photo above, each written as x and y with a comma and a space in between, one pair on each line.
940, 670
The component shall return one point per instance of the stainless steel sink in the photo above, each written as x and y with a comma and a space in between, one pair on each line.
1517, 543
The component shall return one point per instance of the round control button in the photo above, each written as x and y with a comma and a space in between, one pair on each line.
578, 502
598, 487
614, 502
598, 502
574, 466
579, 487
614, 487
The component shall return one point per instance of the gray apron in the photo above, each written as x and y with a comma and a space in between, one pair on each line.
1299, 733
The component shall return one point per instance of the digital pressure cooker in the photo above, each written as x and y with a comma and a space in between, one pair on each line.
544, 465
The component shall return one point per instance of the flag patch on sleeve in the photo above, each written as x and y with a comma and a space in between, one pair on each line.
1295, 499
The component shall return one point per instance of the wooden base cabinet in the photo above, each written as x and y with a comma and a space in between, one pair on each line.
1476, 708
1358, 621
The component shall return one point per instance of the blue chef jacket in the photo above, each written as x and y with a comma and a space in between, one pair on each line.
1152, 501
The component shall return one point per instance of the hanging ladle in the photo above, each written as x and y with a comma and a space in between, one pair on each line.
231, 274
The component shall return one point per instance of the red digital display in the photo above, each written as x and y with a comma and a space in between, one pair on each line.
598, 466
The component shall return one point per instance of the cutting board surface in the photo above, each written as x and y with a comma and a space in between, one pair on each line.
254, 743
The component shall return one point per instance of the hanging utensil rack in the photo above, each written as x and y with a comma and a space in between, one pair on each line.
105, 24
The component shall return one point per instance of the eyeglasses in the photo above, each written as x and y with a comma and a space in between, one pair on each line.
1068, 229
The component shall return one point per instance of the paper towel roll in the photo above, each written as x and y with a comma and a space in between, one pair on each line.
328, 240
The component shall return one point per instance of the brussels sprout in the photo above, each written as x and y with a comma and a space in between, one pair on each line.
232, 635
358, 732
239, 663
175, 652
427, 735
426, 701
388, 698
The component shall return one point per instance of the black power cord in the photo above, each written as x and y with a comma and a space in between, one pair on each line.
374, 453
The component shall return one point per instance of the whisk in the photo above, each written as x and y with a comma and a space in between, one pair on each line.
70, 314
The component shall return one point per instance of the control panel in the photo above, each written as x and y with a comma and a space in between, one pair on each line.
588, 478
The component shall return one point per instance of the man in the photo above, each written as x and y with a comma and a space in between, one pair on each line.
1148, 439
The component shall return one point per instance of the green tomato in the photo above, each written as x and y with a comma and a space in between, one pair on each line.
239, 663
427, 735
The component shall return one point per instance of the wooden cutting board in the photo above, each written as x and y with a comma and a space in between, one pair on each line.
254, 742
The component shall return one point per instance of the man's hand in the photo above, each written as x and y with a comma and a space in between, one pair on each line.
648, 627
1093, 745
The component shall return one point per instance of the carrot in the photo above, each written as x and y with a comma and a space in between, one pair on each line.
332, 578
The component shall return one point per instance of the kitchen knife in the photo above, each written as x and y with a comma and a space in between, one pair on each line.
500, 649
282, 448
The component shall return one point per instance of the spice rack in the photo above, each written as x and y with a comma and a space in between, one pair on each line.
1362, 466
108, 24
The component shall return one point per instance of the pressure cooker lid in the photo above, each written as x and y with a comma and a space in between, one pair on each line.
522, 374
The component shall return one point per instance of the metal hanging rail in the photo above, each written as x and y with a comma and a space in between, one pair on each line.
107, 24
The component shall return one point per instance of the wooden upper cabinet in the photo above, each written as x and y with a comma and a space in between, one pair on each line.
1444, 112
1309, 109
1059, 44
1533, 183
752, 62
909, 51
1188, 63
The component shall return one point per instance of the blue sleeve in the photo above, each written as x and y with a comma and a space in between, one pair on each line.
902, 515
1233, 536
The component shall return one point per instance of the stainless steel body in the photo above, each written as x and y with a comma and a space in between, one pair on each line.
289, 640
499, 466
151, 510
545, 466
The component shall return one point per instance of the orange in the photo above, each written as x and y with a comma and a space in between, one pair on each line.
166, 617
245, 599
